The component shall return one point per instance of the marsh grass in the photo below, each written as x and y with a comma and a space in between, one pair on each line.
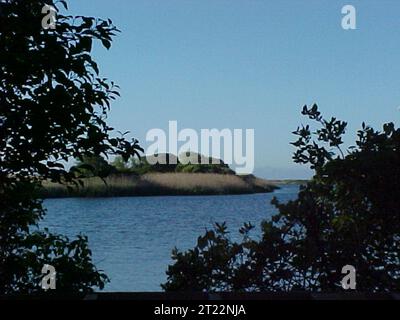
160, 184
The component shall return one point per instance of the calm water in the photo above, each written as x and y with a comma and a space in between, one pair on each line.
131, 238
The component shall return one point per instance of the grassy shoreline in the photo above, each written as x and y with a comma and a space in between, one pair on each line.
162, 184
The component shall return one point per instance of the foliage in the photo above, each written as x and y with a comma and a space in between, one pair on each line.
204, 168
142, 166
347, 214
121, 166
94, 166
53, 107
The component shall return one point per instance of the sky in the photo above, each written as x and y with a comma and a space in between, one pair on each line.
250, 64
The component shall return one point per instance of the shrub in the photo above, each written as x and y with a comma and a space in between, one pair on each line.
53, 107
348, 214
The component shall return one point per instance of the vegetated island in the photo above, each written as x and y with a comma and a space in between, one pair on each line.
140, 178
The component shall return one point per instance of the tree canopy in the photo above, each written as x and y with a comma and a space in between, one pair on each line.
348, 214
53, 107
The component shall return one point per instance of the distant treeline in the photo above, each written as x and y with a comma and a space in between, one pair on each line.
98, 166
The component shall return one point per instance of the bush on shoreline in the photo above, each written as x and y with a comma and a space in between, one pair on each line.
348, 214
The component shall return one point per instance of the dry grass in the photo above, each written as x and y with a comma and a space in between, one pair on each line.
199, 182
121, 185
161, 184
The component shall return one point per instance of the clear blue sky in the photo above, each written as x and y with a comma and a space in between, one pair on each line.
250, 64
